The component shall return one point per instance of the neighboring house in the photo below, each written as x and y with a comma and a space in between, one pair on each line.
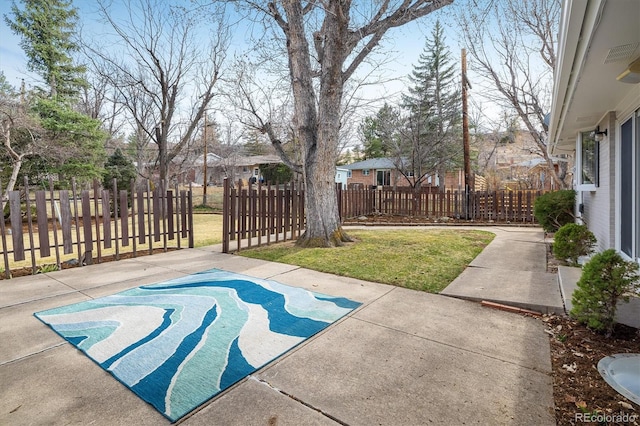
532, 174
373, 172
196, 173
245, 168
383, 172
341, 177
596, 116
513, 162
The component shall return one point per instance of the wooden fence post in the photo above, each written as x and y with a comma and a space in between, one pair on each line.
27, 196
190, 216
3, 237
225, 215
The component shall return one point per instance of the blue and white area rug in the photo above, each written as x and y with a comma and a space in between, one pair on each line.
178, 343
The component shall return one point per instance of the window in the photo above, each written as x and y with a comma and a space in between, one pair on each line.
349, 174
365, 172
629, 188
383, 177
256, 172
587, 162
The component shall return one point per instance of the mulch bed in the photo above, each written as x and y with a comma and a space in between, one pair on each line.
578, 388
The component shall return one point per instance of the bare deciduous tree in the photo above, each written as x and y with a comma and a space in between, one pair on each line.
165, 71
326, 41
20, 135
511, 43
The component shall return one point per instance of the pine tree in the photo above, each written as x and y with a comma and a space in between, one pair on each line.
434, 106
69, 143
47, 28
380, 132
120, 168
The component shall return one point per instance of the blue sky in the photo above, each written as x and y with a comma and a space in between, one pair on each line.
406, 42
401, 47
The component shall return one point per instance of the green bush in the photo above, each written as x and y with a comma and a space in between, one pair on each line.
572, 241
554, 209
605, 279
120, 168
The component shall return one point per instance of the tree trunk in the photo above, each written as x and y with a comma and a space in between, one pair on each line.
323, 220
318, 128
317, 116
15, 167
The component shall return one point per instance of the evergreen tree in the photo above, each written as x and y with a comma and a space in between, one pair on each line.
69, 144
47, 28
434, 107
120, 168
380, 132
6, 89
76, 140
276, 173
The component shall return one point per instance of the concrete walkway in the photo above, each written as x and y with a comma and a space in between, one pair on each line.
403, 358
512, 270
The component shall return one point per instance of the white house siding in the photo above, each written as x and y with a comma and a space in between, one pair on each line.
599, 205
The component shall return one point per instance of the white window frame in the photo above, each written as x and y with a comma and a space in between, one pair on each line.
635, 116
348, 174
580, 184
365, 172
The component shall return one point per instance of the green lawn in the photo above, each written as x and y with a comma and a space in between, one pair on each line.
426, 260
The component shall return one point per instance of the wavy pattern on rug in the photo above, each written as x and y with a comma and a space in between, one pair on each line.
177, 344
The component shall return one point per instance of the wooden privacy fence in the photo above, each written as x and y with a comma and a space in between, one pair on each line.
42, 222
512, 206
260, 214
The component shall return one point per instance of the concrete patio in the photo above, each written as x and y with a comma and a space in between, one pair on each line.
403, 357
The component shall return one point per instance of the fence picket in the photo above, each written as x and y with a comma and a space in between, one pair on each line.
96, 204
29, 225
43, 223
170, 224
54, 218
3, 238
16, 225
65, 222
106, 219
124, 217
86, 225
116, 234
156, 202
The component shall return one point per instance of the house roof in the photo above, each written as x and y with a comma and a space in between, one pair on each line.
597, 42
372, 163
211, 159
535, 162
251, 160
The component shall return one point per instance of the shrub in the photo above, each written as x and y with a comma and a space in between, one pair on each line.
120, 168
605, 279
572, 241
554, 209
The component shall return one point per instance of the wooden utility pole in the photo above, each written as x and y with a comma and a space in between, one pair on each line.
204, 170
465, 132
